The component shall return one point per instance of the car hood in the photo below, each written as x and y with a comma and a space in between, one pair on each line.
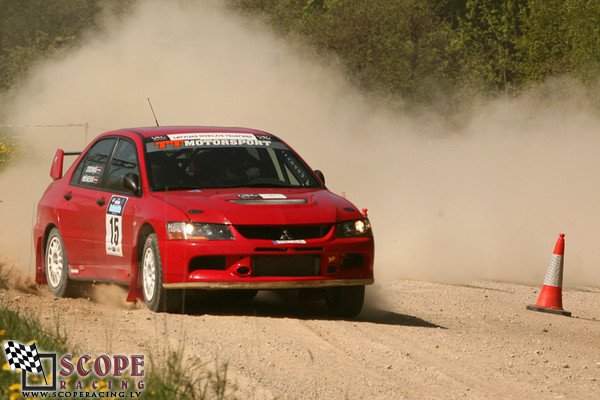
262, 206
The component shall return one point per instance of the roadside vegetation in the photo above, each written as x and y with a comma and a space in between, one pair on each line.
169, 377
423, 52
9, 150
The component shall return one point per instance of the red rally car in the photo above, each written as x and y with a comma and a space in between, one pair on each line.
169, 209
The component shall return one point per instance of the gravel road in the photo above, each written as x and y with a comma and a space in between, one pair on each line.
414, 340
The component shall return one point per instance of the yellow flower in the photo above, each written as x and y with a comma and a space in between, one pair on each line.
5, 367
32, 341
14, 386
101, 384
15, 396
3, 331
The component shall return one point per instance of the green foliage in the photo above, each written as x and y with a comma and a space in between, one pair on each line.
582, 20
174, 379
16, 326
389, 46
544, 48
421, 49
33, 29
9, 150
487, 42
168, 377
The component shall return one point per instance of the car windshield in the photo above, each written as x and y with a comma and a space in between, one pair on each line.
223, 160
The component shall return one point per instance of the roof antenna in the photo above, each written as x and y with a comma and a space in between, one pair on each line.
151, 108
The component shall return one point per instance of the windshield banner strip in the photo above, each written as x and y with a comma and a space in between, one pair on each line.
192, 140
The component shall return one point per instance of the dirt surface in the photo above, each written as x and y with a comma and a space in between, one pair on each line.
414, 340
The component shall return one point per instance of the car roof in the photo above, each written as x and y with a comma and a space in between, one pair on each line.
168, 130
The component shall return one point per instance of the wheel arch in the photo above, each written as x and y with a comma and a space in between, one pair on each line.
40, 275
135, 284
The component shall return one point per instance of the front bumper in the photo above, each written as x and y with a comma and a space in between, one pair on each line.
252, 284
263, 264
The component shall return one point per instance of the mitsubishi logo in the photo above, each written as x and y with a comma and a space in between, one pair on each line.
285, 235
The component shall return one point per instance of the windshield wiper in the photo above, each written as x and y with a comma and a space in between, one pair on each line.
274, 185
178, 187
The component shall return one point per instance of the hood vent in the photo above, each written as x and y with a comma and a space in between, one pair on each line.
254, 202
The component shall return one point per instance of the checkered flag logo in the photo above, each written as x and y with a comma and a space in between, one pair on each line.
22, 356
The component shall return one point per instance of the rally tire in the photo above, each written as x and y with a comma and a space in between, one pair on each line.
56, 265
345, 301
156, 297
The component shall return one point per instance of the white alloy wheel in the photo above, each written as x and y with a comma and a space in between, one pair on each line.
157, 298
54, 262
149, 273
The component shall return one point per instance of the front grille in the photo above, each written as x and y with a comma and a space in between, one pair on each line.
294, 232
296, 265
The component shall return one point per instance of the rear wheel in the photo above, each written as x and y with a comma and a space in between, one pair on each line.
345, 301
57, 265
156, 297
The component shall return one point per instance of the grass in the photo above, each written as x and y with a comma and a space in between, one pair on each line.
168, 377
16, 326
176, 379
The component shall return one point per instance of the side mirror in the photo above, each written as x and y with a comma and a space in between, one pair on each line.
320, 175
132, 182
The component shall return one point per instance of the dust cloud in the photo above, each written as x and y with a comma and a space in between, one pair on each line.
486, 200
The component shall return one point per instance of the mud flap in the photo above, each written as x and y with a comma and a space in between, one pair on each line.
135, 288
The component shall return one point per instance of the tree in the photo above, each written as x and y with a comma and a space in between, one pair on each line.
583, 32
33, 29
487, 42
544, 47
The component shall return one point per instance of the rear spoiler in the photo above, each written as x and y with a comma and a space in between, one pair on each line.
56, 170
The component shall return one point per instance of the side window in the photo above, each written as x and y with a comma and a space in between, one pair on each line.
92, 168
124, 161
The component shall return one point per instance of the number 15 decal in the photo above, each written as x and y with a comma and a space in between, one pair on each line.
114, 225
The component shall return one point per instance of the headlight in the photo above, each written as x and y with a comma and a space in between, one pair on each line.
357, 228
198, 231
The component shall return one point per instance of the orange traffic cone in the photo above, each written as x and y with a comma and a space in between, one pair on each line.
550, 299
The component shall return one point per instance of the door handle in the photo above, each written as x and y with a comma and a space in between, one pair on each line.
100, 202
68, 196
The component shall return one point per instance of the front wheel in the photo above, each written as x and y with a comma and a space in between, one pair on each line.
57, 265
157, 298
345, 301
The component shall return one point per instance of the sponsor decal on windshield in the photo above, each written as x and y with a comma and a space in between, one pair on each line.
188, 140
